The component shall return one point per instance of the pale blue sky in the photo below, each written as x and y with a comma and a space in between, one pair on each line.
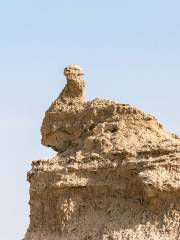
130, 52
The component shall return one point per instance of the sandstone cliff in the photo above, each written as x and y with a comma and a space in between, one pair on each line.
116, 174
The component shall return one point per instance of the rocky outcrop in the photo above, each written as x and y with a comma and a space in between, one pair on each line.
116, 174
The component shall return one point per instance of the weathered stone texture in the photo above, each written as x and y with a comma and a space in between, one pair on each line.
116, 175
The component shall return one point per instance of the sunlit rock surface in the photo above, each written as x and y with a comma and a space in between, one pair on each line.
116, 174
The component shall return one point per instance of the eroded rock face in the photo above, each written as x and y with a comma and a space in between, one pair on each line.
116, 174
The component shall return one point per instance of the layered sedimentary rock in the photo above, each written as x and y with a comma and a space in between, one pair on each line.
116, 174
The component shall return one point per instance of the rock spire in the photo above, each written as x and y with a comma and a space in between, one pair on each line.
75, 87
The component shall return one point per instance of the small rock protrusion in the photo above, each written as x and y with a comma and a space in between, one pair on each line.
75, 87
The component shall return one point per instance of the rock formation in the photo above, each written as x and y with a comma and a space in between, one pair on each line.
116, 175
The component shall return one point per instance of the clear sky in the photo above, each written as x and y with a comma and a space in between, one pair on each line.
130, 52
